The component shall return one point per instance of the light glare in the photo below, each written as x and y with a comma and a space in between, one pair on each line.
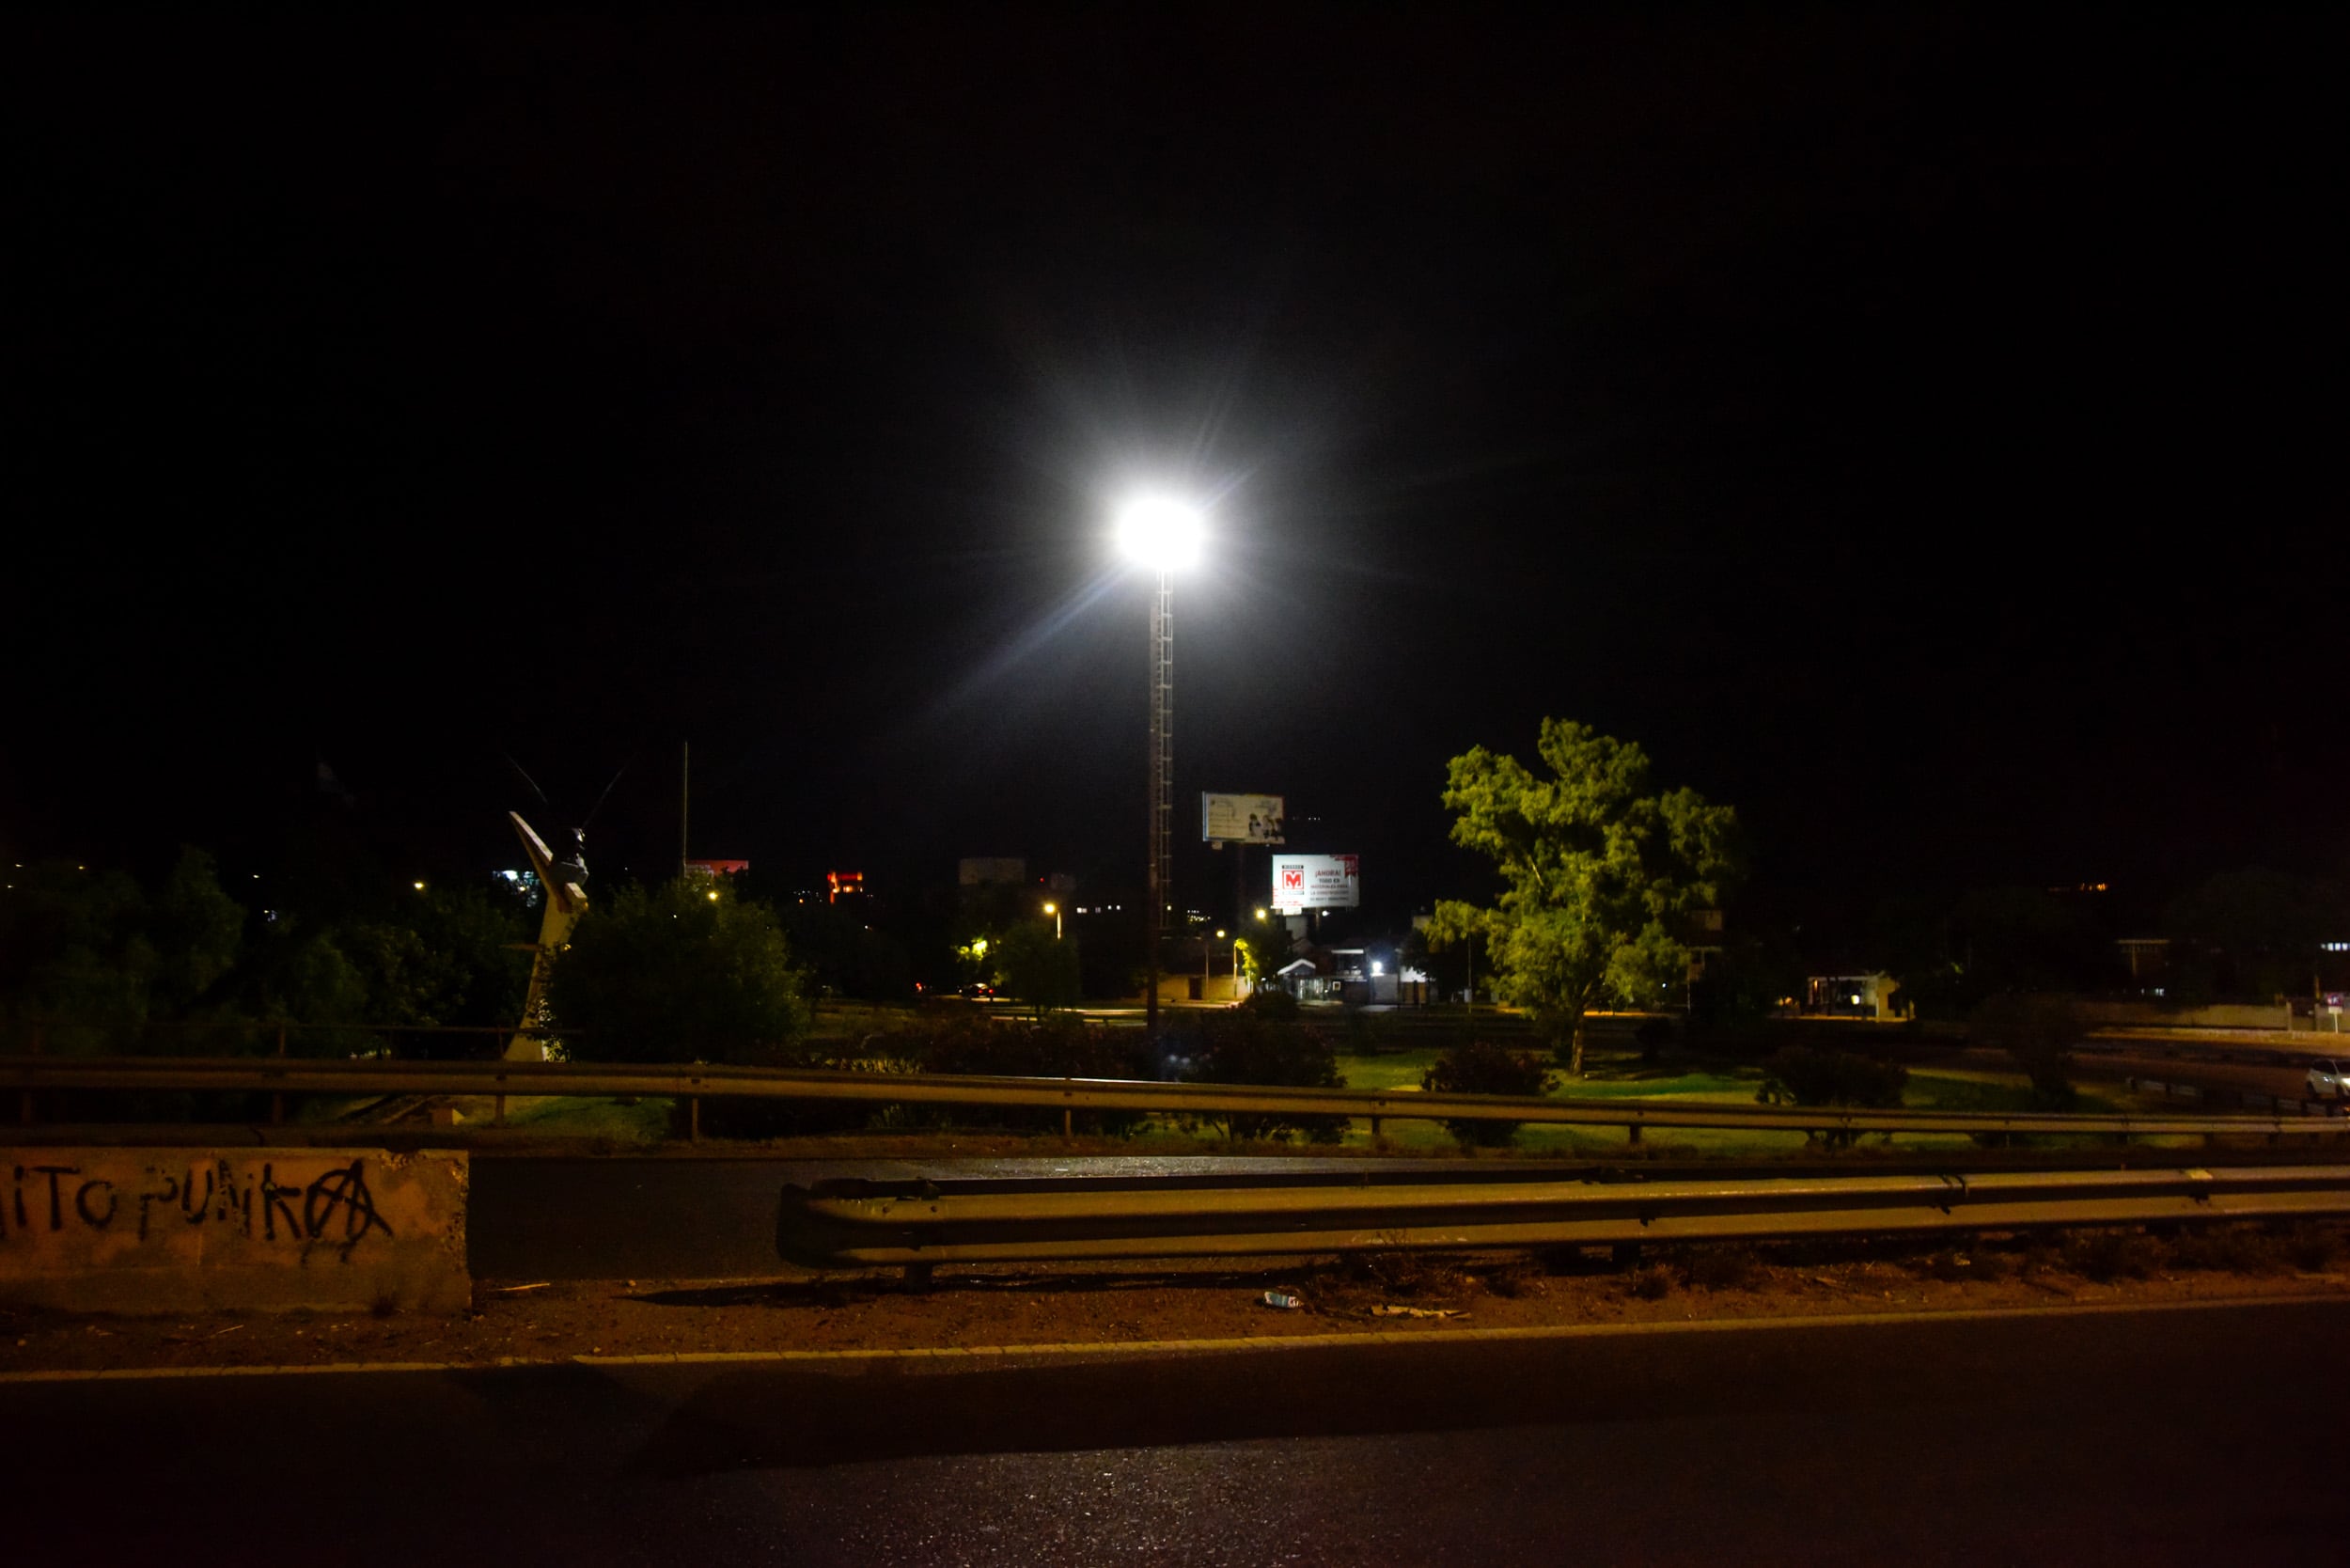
1159, 532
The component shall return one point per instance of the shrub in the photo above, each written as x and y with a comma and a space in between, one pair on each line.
1250, 1044
1799, 1075
2108, 1255
1720, 1268
2312, 1247
1370, 1034
1279, 1006
1397, 1270
1516, 1277
1059, 1046
2039, 1033
1650, 1283
1062, 1047
2231, 1249
1481, 1068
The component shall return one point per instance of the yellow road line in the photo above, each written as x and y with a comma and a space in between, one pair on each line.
1192, 1347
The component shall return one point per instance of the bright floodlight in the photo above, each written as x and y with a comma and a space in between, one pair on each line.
1160, 533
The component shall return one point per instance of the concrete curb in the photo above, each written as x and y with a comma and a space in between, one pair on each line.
1145, 1348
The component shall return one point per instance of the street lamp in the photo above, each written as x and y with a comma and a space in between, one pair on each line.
1054, 909
1163, 535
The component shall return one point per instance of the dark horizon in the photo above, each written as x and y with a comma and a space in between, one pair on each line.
1906, 428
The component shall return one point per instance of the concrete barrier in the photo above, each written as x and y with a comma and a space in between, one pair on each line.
94, 1230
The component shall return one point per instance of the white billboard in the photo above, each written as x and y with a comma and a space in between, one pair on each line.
1304, 882
1241, 819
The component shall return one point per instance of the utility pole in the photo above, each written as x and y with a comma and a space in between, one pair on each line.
684, 801
1160, 891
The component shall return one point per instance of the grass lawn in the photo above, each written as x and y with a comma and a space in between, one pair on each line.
1610, 1077
856, 1020
580, 1115
1987, 1092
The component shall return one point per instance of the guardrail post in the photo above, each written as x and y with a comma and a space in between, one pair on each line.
499, 1117
1067, 1123
694, 1119
1634, 1130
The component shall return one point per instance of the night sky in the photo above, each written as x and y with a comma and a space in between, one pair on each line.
1918, 430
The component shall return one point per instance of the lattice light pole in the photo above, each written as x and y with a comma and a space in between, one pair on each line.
1165, 536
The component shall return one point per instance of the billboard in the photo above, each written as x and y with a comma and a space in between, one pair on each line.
1304, 882
1241, 819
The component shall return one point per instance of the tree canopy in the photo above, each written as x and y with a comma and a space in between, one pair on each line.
1037, 966
683, 972
1599, 874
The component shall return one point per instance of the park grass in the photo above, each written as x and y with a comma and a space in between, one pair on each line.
1952, 1091
853, 1021
646, 1120
1610, 1078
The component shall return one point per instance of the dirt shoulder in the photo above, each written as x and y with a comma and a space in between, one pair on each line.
535, 1321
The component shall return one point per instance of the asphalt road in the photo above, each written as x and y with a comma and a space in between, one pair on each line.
2193, 1436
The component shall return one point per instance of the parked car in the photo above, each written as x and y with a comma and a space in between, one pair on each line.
2329, 1080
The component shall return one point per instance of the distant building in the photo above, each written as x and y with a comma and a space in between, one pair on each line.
844, 885
1303, 980
716, 868
983, 870
2146, 957
1358, 976
1868, 995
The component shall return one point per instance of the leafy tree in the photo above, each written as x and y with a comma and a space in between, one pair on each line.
2254, 932
683, 972
1597, 874
1265, 947
1037, 968
324, 986
845, 954
1451, 965
75, 957
197, 929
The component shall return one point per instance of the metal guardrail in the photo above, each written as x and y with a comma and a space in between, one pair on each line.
2246, 1099
279, 1075
920, 1224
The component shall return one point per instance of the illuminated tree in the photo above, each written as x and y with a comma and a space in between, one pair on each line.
1599, 875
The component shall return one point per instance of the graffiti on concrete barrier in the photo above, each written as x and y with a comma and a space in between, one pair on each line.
335, 1211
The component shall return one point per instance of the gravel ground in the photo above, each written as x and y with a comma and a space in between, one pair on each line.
528, 1320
